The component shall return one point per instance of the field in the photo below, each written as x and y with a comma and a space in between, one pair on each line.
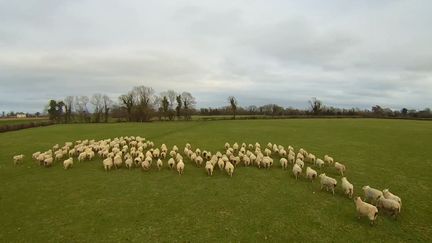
15, 121
86, 204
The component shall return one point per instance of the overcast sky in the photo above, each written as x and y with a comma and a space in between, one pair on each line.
346, 53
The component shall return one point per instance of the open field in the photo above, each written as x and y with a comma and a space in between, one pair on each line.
87, 204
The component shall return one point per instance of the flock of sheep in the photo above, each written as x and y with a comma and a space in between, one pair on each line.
138, 152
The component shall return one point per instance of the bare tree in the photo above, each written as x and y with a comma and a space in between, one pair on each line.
81, 107
127, 101
144, 100
179, 106
97, 102
233, 103
188, 104
68, 101
315, 105
107, 103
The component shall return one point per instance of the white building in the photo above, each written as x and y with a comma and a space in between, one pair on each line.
21, 115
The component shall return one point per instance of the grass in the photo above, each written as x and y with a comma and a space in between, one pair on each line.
85, 204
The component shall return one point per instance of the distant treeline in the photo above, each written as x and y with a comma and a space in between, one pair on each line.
19, 126
142, 104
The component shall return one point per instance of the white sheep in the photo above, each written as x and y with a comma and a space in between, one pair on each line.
347, 187
387, 194
284, 163
300, 163
229, 168
159, 164
209, 168
68, 163
291, 158
48, 161
128, 163
327, 182
198, 161
389, 204
297, 170
366, 209
329, 160
310, 173
18, 159
118, 161
319, 162
311, 158
35, 155
371, 194
145, 165
180, 167
340, 167
171, 163
107, 163
221, 164
227, 146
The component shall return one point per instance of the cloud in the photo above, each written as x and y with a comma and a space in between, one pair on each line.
262, 52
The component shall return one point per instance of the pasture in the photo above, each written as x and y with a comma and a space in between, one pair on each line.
88, 204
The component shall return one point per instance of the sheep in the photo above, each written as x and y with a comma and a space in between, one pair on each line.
173, 153
387, 194
48, 161
366, 209
35, 155
179, 157
389, 204
347, 187
18, 159
300, 163
246, 160
300, 156
171, 163
198, 152
175, 148
82, 156
291, 158
198, 161
296, 170
340, 167
371, 194
235, 147
229, 168
284, 163
227, 146
319, 162
107, 163
180, 167
221, 163
327, 182
159, 164
117, 161
209, 168
128, 163
329, 160
68, 163
267, 152
145, 165
137, 161
310, 173
311, 158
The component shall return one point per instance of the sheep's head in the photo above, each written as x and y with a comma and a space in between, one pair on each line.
365, 187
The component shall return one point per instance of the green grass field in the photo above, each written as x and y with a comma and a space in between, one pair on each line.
86, 204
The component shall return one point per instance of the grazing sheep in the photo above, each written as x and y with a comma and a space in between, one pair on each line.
246, 160
227, 146
327, 182
137, 161
145, 165
389, 205
329, 160
319, 162
35, 155
387, 194
311, 158
128, 163
107, 163
209, 168
372, 194
221, 164
366, 209
267, 152
310, 173
118, 161
229, 168
340, 167
300, 163
180, 167
347, 187
198, 161
297, 170
235, 147
159, 164
175, 148
198, 152
284, 163
300, 156
68, 163
291, 158
171, 163
173, 153
18, 159
48, 161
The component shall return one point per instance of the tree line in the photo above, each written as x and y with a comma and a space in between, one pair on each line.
142, 104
